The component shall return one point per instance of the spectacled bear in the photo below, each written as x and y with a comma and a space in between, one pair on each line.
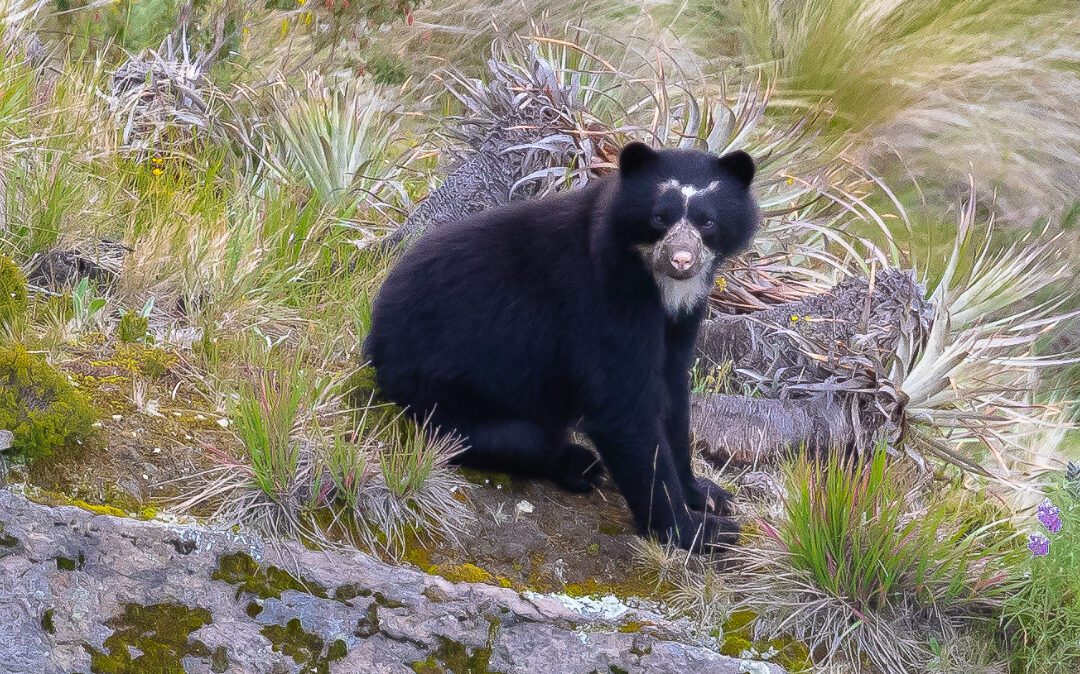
579, 309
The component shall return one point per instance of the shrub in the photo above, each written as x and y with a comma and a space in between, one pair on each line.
38, 405
13, 296
858, 569
1042, 621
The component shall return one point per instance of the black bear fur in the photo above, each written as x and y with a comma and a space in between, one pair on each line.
516, 324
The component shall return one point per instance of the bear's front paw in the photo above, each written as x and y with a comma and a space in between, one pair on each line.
705, 495
704, 533
578, 470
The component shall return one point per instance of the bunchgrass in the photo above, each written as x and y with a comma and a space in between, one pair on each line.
307, 467
864, 567
266, 419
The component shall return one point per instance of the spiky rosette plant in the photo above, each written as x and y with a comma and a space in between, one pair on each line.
335, 138
968, 393
162, 98
950, 375
543, 117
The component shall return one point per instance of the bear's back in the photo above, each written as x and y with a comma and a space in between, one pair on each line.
485, 299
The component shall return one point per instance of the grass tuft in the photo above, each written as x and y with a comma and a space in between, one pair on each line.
863, 567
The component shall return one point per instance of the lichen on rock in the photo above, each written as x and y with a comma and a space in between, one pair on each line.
151, 639
241, 569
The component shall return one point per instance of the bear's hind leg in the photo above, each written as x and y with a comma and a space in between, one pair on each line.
525, 449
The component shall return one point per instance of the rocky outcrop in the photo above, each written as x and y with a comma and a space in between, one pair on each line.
81, 592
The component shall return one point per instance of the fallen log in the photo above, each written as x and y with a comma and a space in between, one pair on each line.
857, 323
813, 372
744, 431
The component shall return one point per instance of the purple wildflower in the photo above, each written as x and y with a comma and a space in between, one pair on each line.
1050, 516
1039, 545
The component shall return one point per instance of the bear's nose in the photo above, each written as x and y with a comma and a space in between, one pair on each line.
682, 260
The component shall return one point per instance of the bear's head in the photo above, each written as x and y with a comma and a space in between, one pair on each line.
684, 211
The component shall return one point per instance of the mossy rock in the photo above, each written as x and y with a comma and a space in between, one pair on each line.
788, 652
151, 639
241, 569
40, 407
14, 300
307, 649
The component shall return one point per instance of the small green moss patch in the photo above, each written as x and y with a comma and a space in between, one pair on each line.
454, 657
69, 564
14, 299
306, 649
151, 639
47, 623
633, 586
219, 661
7, 540
241, 570
463, 573
791, 654
382, 600
614, 528
483, 477
348, 592
41, 408
368, 626
99, 508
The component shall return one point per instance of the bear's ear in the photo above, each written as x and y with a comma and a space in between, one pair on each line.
740, 165
635, 156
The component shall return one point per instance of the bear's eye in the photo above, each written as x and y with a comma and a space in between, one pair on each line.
660, 220
709, 225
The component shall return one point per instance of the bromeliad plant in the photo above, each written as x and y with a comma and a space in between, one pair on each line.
336, 138
861, 566
968, 390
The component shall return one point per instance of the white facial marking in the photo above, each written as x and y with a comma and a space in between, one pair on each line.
688, 191
680, 295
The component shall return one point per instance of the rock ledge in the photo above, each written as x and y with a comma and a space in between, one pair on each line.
81, 592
